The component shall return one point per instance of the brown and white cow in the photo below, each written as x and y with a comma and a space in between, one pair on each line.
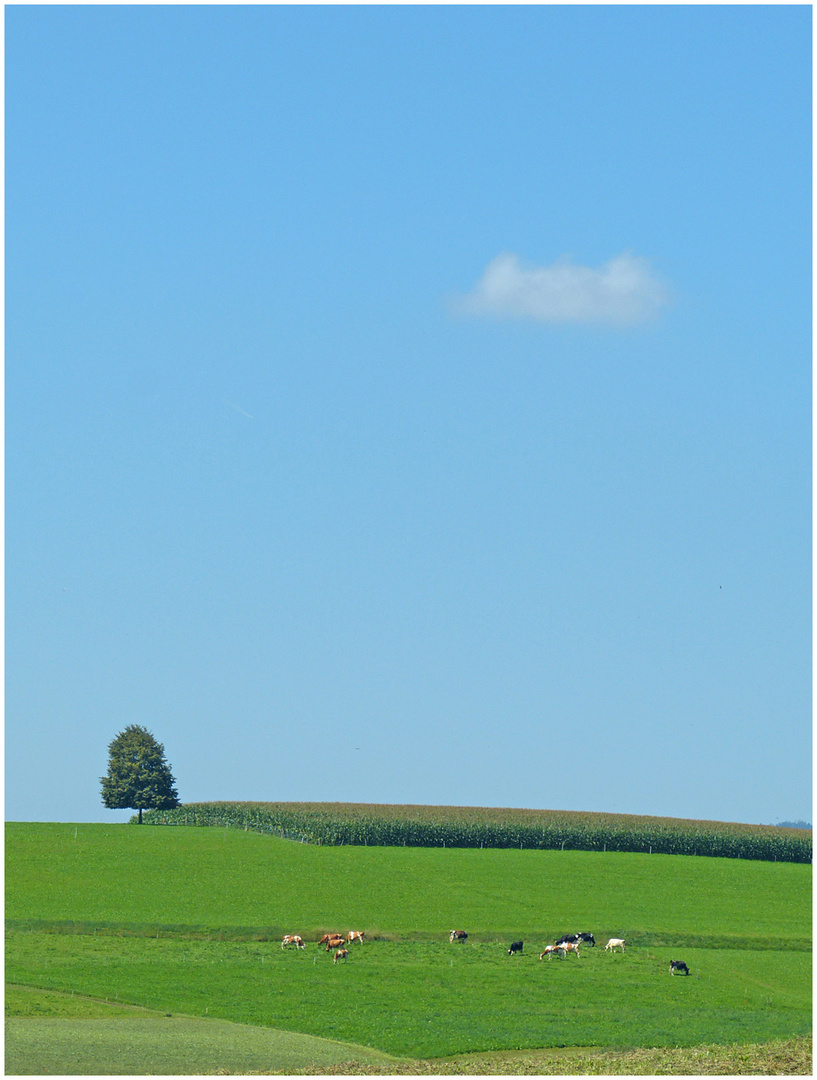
292, 939
328, 937
567, 947
549, 950
335, 943
341, 954
354, 935
457, 935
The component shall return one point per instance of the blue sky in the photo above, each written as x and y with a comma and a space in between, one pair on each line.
411, 404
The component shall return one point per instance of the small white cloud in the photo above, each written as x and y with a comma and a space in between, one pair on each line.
622, 292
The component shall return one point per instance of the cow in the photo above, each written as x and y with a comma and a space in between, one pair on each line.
568, 939
354, 935
328, 937
587, 939
341, 954
614, 943
516, 946
457, 935
678, 967
548, 951
567, 947
292, 939
335, 942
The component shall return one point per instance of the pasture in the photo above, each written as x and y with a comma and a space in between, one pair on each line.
44, 1037
188, 921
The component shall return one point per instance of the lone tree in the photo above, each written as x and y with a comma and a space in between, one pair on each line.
138, 777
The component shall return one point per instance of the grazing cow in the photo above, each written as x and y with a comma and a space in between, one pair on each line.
678, 967
568, 939
335, 943
588, 939
341, 954
354, 935
457, 935
566, 947
516, 946
548, 951
614, 943
328, 937
292, 939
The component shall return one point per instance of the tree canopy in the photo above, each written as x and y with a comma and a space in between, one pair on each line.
139, 777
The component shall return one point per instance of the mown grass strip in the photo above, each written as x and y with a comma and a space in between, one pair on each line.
482, 827
168, 1045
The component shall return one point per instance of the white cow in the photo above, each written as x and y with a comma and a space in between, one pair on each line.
614, 943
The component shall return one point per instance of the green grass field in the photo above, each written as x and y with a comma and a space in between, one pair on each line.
188, 922
49, 1033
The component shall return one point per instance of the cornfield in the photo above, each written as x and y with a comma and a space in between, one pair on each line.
457, 826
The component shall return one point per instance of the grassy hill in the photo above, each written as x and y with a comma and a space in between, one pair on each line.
188, 921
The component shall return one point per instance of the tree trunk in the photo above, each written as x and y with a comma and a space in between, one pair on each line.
140, 815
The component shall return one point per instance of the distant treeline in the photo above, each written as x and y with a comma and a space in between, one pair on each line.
458, 826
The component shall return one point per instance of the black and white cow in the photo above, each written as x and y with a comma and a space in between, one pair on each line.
588, 939
516, 946
678, 967
569, 939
